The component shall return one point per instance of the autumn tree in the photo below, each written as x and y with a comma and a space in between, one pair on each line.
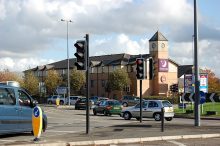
213, 81
52, 81
118, 79
77, 80
6, 75
31, 83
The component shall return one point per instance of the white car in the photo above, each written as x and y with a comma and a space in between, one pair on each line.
150, 109
72, 99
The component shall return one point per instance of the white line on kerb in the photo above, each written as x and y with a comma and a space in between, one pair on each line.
176, 143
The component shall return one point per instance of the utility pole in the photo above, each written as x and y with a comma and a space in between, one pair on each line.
196, 68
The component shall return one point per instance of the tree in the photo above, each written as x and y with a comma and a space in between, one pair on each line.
118, 79
31, 83
213, 81
52, 81
77, 79
6, 75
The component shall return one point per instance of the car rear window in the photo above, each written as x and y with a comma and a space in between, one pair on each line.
166, 103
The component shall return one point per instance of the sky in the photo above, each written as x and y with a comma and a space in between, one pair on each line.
32, 33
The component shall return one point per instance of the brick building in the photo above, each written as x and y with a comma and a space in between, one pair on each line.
167, 71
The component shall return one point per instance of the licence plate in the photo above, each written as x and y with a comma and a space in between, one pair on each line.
116, 108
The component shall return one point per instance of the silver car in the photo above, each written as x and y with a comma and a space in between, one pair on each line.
150, 109
72, 99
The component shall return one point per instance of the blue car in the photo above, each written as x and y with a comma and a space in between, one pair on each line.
16, 107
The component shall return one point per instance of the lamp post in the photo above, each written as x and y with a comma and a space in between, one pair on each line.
68, 62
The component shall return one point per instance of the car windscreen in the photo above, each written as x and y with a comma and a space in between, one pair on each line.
166, 103
114, 103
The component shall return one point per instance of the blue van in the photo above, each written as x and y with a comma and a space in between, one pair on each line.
16, 107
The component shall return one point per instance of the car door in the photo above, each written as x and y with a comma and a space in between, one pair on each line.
25, 112
152, 108
101, 106
8, 110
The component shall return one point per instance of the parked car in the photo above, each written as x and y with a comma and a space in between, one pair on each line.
150, 109
108, 107
72, 99
16, 107
52, 99
81, 103
129, 100
101, 99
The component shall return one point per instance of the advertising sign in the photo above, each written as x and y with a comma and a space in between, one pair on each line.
204, 83
188, 83
163, 65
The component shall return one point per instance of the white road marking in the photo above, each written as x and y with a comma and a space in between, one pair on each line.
176, 143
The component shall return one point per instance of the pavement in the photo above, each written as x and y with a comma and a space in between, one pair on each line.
134, 132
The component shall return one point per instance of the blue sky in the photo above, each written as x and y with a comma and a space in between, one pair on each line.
32, 33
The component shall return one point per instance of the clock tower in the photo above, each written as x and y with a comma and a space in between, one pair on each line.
159, 52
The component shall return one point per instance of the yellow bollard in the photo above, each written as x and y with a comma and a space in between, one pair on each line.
37, 122
58, 102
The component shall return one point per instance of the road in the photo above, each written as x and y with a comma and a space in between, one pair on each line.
63, 123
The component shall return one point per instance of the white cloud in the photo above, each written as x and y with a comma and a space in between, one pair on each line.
31, 28
22, 64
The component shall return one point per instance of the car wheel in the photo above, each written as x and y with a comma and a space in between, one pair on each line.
94, 112
157, 117
125, 104
169, 118
76, 108
61, 102
105, 113
127, 116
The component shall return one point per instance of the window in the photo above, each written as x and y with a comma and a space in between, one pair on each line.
103, 69
103, 83
152, 104
24, 99
7, 96
92, 83
127, 88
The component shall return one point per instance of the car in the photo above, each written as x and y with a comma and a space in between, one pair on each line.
128, 100
72, 99
52, 99
108, 107
151, 109
81, 103
16, 107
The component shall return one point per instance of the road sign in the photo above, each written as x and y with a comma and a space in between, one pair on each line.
202, 97
61, 90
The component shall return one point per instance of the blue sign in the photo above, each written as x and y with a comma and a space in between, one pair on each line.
202, 97
36, 112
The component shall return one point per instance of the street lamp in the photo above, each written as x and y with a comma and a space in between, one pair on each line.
68, 62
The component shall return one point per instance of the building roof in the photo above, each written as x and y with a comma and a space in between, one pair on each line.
158, 36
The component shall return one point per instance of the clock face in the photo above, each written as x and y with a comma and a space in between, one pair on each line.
153, 45
162, 45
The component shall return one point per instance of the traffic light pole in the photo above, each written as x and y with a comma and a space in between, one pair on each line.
88, 85
141, 101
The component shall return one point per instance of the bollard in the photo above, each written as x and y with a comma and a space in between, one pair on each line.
58, 101
162, 119
37, 122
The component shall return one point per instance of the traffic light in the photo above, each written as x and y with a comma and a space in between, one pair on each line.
80, 54
140, 68
151, 69
175, 88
